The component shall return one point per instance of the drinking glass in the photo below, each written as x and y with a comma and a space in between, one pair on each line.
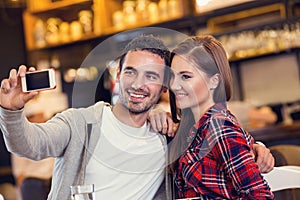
83, 192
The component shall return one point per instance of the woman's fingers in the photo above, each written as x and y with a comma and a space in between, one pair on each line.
161, 122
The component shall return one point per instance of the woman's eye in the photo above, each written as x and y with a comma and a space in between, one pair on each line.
185, 77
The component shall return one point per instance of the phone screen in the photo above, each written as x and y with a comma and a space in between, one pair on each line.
38, 80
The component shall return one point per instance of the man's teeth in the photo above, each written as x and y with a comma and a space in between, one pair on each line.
137, 95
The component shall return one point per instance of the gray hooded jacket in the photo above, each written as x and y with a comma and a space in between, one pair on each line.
65, 137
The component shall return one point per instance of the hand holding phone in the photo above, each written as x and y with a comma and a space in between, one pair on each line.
38, 80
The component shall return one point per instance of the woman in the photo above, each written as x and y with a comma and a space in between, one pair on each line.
211, 154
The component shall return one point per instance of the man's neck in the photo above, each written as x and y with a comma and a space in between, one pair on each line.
129, 118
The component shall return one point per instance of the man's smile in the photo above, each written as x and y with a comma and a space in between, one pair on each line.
137, 96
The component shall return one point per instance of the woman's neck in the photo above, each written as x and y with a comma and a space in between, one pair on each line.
199, 110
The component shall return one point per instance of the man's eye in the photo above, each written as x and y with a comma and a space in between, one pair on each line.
152, 77
129, 72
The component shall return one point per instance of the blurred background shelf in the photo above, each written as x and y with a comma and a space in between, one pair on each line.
260, 37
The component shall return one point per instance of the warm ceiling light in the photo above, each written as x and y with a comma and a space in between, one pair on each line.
202, 2
12, 3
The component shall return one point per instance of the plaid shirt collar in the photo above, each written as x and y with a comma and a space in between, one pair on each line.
216, 108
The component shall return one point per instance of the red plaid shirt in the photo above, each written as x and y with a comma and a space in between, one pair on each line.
218, 163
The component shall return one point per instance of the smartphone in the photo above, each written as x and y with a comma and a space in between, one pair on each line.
38, 80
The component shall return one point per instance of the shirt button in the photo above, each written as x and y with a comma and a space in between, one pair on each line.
189, 161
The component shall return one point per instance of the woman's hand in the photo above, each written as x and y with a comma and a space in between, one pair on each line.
161, 121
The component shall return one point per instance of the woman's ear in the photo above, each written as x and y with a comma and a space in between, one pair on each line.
164, 89
118, 76
214, 81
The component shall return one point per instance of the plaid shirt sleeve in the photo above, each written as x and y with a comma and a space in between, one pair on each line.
233, 149
218, 164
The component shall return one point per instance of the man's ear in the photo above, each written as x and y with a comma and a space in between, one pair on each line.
214, 81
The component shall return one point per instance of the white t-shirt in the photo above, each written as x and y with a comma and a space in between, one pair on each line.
128, 162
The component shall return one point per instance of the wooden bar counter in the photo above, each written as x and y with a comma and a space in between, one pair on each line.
278, 134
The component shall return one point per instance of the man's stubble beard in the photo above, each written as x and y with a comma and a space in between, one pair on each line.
125, 103
144, 109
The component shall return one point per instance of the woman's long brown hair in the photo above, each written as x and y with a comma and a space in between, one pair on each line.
208, 54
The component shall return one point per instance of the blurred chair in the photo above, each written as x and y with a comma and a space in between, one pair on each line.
288, 156
283, 177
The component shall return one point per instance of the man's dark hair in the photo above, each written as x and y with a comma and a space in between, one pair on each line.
143, 42
151, 44
146, 43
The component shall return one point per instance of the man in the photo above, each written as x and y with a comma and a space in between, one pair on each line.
29, 173
126, 135
111, 147
7, 181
